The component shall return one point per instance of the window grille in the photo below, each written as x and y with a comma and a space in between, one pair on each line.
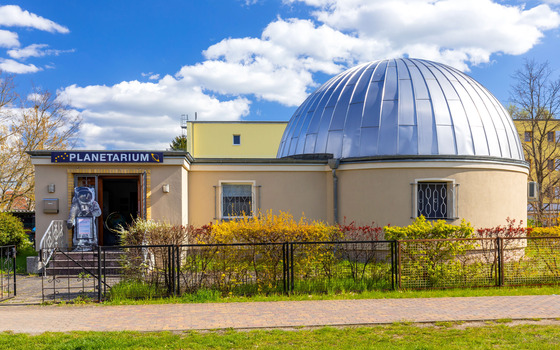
237, 200
436, 200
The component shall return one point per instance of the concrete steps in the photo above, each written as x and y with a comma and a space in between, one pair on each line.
84, 264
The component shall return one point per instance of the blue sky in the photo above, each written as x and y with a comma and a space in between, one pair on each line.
131, 68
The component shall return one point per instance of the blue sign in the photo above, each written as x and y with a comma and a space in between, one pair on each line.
106, 157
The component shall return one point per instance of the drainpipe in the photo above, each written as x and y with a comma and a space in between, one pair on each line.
333, 164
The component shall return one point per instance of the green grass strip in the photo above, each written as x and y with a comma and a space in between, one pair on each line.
399, 336
208, 296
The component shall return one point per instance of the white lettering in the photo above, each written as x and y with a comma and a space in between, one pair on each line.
102, 157
72, 156
95, 157
145, 158
135, 157
86, 157
115, 158
78, 158
124, 157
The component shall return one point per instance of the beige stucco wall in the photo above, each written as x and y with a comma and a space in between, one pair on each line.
170, 207
488, 193
299, 190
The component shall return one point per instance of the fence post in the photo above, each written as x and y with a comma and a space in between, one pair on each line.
178, 267
170, 277
398, 267
284, 264
393, 265
292, 267
99, 274
14, 254
499, 258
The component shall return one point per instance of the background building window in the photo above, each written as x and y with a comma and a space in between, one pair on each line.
550, 136
236, 139
528, 136
436, 200
237, 200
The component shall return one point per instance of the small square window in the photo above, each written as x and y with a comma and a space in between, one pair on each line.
236, 139
528, 136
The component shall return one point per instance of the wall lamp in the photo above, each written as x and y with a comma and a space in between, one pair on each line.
50, 188
165, 188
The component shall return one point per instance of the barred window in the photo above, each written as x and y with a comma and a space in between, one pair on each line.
237, 200
436, 200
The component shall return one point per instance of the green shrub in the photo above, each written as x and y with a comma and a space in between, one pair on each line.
12, 232
430, 252
424, 229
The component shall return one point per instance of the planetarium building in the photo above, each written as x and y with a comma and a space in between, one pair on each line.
386, 141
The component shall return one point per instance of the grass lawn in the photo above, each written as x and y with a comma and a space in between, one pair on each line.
398, 336
21, 259
208, 296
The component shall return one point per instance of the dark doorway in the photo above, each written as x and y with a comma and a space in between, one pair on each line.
119, 204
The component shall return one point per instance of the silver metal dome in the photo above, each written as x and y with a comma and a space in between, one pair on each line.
401, 107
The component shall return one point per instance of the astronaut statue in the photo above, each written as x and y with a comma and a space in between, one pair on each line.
83, 212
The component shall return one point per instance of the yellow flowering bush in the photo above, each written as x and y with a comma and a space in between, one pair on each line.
272, 228
553, 231
261, 261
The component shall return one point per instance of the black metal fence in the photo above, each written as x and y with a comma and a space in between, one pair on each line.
7, 272
310, 267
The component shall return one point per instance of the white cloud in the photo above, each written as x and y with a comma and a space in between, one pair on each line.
141, 115
14, 16
456, 32
8, 39
11, 66
35, 50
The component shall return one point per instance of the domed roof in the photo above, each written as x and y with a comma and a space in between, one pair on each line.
401, 107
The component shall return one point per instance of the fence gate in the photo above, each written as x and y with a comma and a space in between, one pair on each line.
7, 272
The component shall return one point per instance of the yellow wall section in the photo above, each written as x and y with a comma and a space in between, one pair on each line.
215, 139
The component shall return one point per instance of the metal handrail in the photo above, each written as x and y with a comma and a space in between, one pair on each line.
51, 240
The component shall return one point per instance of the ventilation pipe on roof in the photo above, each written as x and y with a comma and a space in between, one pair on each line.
333, 164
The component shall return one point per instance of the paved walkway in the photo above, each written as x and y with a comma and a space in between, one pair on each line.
180, 317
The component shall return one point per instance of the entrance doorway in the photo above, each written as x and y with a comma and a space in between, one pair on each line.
121, 199
119, 202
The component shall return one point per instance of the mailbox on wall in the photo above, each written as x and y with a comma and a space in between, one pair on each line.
50, 205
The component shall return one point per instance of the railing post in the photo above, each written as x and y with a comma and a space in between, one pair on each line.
99, 274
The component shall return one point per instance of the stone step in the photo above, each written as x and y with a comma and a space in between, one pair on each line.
73, 264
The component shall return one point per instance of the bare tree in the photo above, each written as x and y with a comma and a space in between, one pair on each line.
536, 102
41, 121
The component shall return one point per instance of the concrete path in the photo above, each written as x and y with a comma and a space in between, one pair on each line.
180, 317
